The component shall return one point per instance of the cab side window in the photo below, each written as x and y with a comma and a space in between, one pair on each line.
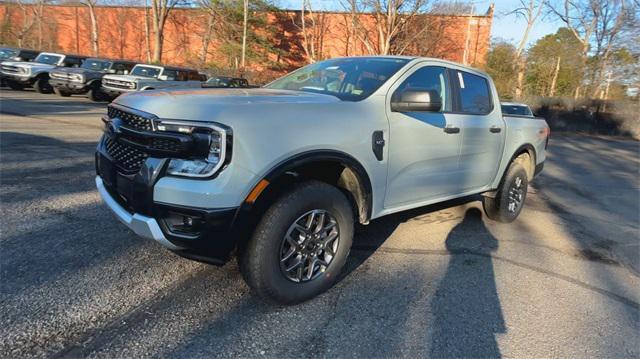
474, 93
170, 74
72, 61
429, 78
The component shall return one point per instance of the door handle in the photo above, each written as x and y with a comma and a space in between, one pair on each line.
495, 129
451, 129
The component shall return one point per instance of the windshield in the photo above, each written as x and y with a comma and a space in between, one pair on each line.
96, 65
145, 71
7, 53
349, 79
48, 59
516, 110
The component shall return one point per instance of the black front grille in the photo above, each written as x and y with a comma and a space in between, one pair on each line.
130, 119
10, 68
164, 144
128, 158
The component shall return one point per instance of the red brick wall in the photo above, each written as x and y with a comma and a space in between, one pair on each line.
67, 29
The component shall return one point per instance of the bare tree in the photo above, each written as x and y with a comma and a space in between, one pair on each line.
160, 10
390, 18
530, 10
91, 6
612, 15
313, 27
579, 18
28, 21
245, 20
597, 24
147, 31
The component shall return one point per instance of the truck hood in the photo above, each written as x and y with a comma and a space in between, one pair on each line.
193, 103
78, 70
32, 65
130, 78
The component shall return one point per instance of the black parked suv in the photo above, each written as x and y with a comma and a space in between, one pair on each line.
87, 79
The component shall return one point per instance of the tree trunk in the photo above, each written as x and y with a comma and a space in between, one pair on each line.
521, 65
206, 39
94, 28
158, 28
147, 35
554, 80
244, 34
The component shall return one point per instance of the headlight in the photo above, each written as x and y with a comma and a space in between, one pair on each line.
76, 77
216, 148
132, 85
25, 70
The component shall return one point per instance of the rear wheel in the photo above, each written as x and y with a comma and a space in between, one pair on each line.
509, 199
15, 85
42, 85
301, 244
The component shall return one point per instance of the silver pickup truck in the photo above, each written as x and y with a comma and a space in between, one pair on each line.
278, 176
150, 77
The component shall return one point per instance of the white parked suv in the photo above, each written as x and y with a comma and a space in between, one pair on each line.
151, 77
278, 176
20, 74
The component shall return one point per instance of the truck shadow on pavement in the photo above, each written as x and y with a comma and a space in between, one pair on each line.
466, 310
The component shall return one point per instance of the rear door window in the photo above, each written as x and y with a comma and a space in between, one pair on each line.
474, 95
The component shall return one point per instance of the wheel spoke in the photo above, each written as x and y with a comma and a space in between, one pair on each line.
310, 270
330, 238
320, 223
295, 265
310, 219
290, 253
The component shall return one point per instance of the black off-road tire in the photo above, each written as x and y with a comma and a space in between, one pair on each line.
513, 188
60, 92
260, 260
15, 85
95, 93
42, 85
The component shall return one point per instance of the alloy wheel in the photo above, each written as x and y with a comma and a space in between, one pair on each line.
309, 246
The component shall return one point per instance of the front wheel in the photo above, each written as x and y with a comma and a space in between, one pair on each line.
95, 94
301, 244
509, 199
61, 92
42, 85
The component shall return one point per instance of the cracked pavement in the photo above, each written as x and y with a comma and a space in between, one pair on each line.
441, 281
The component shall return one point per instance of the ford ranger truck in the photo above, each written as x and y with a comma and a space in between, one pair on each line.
21, 74
150, 77
87, 79
278, 176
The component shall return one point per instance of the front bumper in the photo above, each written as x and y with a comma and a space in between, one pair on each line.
211, 238
23, 79
143, 226
113, 92
69, 86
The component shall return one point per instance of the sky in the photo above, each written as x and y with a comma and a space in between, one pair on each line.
507, 27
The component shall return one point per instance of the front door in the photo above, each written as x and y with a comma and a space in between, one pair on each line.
423, 146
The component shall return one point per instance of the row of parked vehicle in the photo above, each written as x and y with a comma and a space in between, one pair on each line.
100, 79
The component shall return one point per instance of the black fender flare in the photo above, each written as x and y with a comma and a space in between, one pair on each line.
527, 147
309, 157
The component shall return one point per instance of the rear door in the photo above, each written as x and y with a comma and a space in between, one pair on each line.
483, 128
423, 146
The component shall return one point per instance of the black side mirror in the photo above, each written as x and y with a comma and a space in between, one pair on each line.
416, 100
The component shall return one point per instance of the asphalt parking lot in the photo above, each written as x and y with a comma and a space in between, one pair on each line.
442, 281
